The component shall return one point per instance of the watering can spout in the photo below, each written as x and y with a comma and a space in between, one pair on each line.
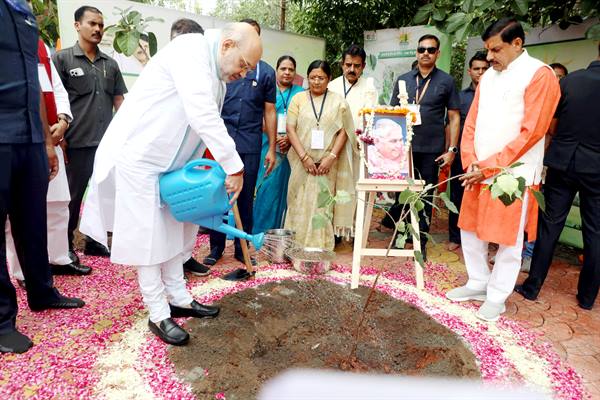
216, 223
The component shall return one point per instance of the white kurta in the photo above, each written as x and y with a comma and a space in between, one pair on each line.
178, 88
356, 97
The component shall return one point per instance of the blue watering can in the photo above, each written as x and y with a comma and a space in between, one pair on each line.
198, 195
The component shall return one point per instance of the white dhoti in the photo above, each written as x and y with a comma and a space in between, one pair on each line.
500, 281
57, 206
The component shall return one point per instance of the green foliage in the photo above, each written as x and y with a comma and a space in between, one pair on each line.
342, 22
449, 204
266, 12
47, 19
466, 18
128, 30
319, 221
539, 197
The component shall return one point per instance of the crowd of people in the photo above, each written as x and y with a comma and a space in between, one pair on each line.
71, 124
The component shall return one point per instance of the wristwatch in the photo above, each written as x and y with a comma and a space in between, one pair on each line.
453, 149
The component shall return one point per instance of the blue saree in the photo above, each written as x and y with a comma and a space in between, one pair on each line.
270, 203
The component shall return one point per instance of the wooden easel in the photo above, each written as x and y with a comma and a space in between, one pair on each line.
366, 190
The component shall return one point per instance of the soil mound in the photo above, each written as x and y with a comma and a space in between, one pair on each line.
263, 331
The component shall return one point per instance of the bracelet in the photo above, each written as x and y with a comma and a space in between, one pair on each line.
304, 157
331, 153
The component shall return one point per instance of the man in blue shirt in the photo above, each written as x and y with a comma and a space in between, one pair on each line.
434, 92
26, 153
478, 64
247, 102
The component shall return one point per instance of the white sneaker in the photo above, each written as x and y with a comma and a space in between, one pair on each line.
463, 294
526, 264
490, 311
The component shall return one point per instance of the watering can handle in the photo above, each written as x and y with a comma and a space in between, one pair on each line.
205, 162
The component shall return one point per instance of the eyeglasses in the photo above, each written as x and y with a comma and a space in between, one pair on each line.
246, 65
316, 78
430, 50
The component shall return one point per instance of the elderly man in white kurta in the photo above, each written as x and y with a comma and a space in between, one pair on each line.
508, 120
171, 115
58, 197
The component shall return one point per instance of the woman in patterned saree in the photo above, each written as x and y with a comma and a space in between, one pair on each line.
321, 131
271, 190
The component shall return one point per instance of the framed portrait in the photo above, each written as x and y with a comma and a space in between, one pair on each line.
388, 154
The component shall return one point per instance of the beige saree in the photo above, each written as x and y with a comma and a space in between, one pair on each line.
303, 188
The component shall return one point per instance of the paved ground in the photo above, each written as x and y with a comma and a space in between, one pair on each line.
574, 332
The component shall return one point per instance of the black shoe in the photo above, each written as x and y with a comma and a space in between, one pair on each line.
583, 304
70, 269
197, 311
240, 258
61, 302
14, 342
169, 332
214, 256
73, 256
194, 267
93, 248
526, 292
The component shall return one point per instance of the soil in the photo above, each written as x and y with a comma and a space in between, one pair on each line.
261, 332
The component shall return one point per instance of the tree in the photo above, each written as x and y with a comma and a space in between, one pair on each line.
343, 22
47, 19
266, 12
467, 18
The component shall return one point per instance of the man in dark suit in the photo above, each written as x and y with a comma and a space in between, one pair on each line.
27, 160
573, 160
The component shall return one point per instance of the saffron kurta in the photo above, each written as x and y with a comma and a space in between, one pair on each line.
507, 123
170, 116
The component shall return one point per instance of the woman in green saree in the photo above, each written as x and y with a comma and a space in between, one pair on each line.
321, 131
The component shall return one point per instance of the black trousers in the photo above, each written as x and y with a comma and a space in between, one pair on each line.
23, 189
426, 169
79, 172
245, 204
456, 195
559, 191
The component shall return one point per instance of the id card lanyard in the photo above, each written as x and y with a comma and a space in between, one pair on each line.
318, 135
349, 89
282, 118
418, 97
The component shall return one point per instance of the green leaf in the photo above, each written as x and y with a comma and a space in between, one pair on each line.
429, 237
522, 182
455, 21
323, 183
401, 226
323, 199
134, 17
422, 14
128, 42
467, 6
449, 204
517, 164
152, 43
461, 33
116, 44
319, 221
342, 197
522, 7
506, 199
483, 4
405, 196
593, 32
419, 258
439, 14
496, 191
541, 200
418, 206
400, 241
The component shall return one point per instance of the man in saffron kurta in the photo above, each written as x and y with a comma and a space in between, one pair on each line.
507, 123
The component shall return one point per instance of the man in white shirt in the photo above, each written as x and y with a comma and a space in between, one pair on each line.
171, 115
351, 84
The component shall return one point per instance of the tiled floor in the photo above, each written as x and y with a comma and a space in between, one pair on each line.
574, 332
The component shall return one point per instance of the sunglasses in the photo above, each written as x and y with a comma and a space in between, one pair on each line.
430, 50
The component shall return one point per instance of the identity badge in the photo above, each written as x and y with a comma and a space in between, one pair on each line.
317, 139
76, 72
281, 123
415, 109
